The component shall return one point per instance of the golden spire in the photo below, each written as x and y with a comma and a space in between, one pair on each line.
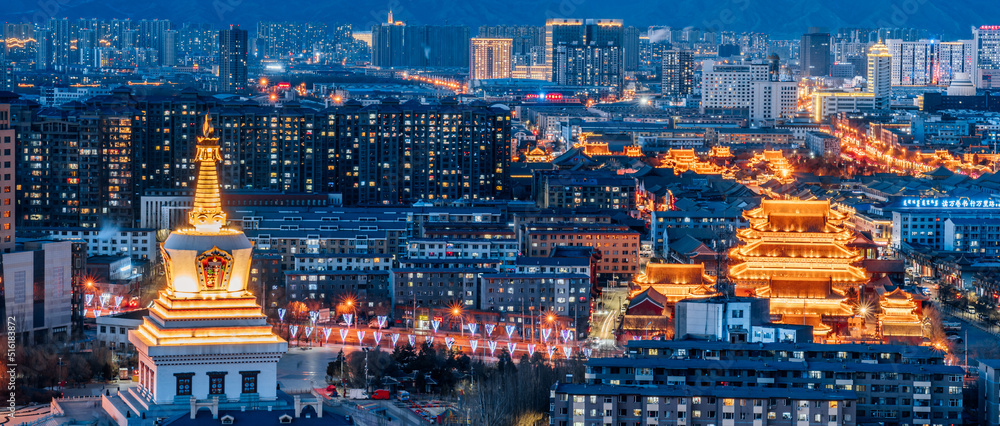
206, 215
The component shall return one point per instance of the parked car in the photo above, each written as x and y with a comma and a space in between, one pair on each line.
357, 394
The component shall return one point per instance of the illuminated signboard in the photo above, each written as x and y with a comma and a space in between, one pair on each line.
951, 203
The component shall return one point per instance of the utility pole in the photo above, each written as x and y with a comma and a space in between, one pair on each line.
367, 381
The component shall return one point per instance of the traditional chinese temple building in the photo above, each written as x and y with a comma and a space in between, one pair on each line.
675, 281
899, 318
807, 301
537, 155
794, 239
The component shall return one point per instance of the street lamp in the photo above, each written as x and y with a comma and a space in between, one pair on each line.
457, 312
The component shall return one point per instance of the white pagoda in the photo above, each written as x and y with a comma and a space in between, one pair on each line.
205, 340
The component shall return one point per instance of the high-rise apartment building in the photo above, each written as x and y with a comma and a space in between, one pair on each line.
559, 31
233, 60
394, 153
678, 73
77, 168
394, 44
8, 153
156, 34
490, 58
914, 63
59, 39
630, 45
587, 53
276, 40
20, 44
954, 57
528, 42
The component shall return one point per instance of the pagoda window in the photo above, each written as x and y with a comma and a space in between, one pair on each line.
184, 383
249, 381
217, 383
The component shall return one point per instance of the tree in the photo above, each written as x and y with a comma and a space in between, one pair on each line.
853, 298
491, 401
404, 355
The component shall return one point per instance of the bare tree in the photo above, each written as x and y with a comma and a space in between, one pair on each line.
490, 401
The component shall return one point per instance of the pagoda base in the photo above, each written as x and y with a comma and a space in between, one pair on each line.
130, 407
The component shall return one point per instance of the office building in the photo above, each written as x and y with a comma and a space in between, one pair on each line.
986, 64
233, 60
815, 53
951, 224
678, 73
823, 144
37, 280
388, 50
728, 89
746, 90
989, 391
773, 100
880, 75
876, 95
491, 58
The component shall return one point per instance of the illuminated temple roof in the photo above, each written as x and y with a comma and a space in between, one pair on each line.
795, 239
675, 281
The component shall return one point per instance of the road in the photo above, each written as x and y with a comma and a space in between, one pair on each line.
461, 341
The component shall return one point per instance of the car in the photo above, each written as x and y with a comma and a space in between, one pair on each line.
955, 339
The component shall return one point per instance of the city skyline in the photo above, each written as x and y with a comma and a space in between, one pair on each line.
785, 20
502, 214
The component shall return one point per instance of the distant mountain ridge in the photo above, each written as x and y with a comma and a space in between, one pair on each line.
783, 19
